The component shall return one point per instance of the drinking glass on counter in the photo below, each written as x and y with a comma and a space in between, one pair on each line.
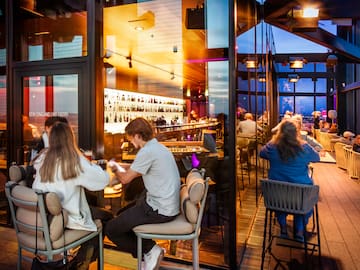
102, 163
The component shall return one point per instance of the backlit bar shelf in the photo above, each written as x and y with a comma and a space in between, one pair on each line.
120, 107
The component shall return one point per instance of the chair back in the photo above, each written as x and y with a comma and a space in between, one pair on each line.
39, 221
340, 155
22, 174
289, 197
35, 215
17, 173
186, 225
193, 200
354, 164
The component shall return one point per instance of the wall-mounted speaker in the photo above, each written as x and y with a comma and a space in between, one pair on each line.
195, 18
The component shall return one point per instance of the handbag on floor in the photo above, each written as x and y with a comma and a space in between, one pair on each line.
62, 264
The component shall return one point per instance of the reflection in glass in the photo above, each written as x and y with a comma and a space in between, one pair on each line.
218, 35
170, 58
284, 86
304, 105
255, 85
321, 67
286, 103
283, 68
320, 85
218, 74
46, 96
44, 30
320, 103
304, 85
3, 34
243, 102
309, 67
3, 130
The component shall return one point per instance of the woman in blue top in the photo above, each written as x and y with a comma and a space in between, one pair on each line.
289, 158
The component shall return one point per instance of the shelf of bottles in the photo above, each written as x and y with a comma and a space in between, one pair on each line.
120, 107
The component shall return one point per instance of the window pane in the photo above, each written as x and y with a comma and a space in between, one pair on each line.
243, 102
242, 84
3, 105
321, 67
255, 85
320, 85
3, 34
44, 30
284, 86
309, 67
218, 11
161, 60
46, 96
304, 85
320, 103
218, 87
283, 68
286, 104
3, 129
304, 105
257, 105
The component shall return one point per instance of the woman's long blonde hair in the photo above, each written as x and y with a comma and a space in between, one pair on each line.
288, 140
62, 154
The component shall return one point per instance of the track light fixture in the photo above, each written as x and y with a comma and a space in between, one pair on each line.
251, 62
188, 92
297, 62
129, 60
293, 78
262, 77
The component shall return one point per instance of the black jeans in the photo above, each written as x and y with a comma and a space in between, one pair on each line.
119, 230
89, 251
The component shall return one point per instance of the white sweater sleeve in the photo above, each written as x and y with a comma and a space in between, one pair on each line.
93, 177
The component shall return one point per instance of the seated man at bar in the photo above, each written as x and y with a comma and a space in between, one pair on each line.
346, 138
160, 200
248, 127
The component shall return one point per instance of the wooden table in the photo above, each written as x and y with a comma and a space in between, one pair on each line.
327, 158
111, 193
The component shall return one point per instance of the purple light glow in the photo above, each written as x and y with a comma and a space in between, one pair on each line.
195, 162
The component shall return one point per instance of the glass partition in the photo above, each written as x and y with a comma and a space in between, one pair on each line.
3, 115
45, 96
45, 30
167, 61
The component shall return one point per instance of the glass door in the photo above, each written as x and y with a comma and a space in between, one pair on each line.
3, 148
43, 96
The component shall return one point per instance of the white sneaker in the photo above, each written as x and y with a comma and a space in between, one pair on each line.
153, 258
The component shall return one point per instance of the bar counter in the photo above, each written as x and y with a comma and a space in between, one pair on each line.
176, 137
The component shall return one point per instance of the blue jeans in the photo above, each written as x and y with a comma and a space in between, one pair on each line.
299, 224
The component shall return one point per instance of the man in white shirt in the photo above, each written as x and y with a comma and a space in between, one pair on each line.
248, 127
157, 166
